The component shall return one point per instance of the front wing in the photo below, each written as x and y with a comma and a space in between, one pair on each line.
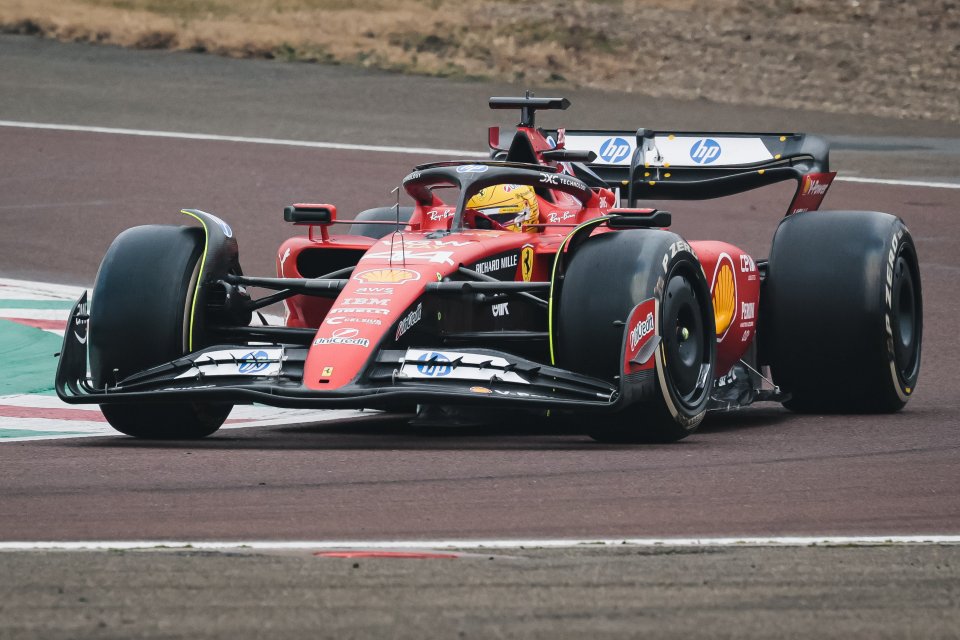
272, 374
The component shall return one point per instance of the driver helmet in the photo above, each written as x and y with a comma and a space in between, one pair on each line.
512, 205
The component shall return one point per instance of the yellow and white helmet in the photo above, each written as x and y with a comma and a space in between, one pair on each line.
512, 205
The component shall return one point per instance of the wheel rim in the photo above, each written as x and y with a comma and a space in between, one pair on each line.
685, 341
905, 321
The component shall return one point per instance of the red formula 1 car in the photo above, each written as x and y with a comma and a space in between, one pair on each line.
518, 286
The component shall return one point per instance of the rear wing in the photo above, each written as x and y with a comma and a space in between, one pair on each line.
697, 165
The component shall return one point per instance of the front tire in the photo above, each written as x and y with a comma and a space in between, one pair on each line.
141, 315
842, 309
635, 266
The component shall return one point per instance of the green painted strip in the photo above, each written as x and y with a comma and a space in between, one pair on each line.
27, 356
27, 433
9, 303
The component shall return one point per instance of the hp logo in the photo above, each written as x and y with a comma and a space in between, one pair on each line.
254, 362
613, 150
435, 365
705, 151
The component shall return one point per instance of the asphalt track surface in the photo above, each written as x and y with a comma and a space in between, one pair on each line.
759, 472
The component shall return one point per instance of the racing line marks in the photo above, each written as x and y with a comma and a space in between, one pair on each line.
365, 147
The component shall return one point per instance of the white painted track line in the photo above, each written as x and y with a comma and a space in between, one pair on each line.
219, 138
28, 290
305, 545
900, 183
366, 147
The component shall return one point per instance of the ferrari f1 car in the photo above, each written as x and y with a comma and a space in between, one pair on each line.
534, 286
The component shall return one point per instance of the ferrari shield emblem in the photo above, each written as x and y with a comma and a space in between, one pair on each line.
526, 263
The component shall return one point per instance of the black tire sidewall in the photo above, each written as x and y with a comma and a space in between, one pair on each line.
828, 316
142, 299
605, 279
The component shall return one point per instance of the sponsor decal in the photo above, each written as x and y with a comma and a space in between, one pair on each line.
227, 231
235, 362
386, 276
399, 253
338, 320
814, 187
80, 323
641, 326
430, 244
508, 261
517, 394
675, 248
891, 260
407, 322
376, 302
345, 335
434, 365
705, 151
441, 214
454, 365
480, 390
560, 216
747, 265
745, 336
641, 330
254, 362
501, 309
556, 179
723, 290
472, 168
614, 150
377, 291
748, 310
526, 262
327, 372
604, 203
361, 310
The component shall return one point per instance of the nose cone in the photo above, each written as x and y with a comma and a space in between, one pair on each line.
358, 321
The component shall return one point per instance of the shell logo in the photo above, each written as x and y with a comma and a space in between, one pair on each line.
386, 276
724, 293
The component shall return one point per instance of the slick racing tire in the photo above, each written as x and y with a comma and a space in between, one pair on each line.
605, 279
380, 214
842, 312
139, 318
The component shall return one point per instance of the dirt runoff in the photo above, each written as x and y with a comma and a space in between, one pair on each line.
878, 57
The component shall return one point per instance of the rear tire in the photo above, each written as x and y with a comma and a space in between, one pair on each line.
380, 214
140, 317
635, 266
842, 312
